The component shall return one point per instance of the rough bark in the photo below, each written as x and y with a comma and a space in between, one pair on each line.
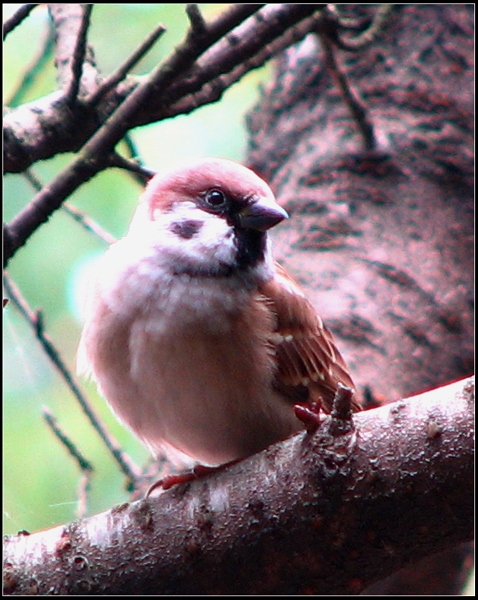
382, 238
382, 234
322, 513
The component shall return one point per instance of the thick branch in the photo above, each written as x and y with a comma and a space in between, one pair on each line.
327, 513
41, 129
248, 47
96, 152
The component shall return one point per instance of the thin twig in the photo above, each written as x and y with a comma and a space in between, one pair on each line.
17, 18
367, 37
30, 75
88, 223
72, 449
198, 24
110, 82
79, 57
79, 216
85, 466
74, 58
132, 163
352, 100
32, 179
95, 153
211, 85
142, 174
132, 150
35, 320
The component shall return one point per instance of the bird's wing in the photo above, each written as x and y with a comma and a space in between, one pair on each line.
309, 366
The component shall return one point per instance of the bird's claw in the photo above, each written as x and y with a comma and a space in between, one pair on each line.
198, 471
309, 415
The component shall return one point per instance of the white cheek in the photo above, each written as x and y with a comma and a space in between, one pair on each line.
142, 264
213, 242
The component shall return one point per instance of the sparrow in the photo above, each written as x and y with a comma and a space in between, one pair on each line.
200, 342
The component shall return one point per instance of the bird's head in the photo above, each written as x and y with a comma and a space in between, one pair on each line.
214, 212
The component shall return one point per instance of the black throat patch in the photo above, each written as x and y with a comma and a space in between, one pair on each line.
251, 246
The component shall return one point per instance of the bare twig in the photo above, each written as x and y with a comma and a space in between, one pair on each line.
131, 148
356, 105
71, 447
142, 173
17, 18
198, 24
77, 214
132, 163
32, 179
366, 37
84, 465
110, 82
35, 320
79, 56
88, 223
95, 154
74, 57
33, 70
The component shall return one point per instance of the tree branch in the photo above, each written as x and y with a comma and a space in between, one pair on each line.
35, 321
75, 63
248, 47
95, 153
85, 466
110, 82
33, 71
15, 20
41, 129
78, 62
327, 513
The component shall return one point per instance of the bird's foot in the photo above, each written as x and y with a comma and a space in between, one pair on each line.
198, 471
310, 415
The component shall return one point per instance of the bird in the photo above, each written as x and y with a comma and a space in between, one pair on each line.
201, 343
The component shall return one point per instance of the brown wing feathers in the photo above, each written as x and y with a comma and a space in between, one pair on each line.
309, 366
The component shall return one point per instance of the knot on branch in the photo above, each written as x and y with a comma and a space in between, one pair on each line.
342, 408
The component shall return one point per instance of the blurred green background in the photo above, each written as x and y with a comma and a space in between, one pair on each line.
40, 479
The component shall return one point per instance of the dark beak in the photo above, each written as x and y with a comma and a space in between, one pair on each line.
261, 215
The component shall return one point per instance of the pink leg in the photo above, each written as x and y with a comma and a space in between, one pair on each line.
197, 472
310, 416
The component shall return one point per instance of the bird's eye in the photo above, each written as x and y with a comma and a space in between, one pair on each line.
215, 199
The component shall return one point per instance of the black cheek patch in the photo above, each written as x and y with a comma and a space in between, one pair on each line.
185, 229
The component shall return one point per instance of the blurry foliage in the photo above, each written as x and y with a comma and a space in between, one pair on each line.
40, 480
